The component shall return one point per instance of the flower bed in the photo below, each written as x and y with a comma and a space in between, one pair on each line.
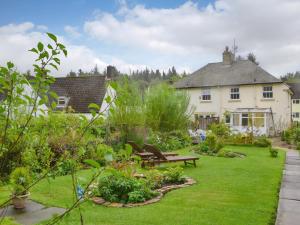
163, 190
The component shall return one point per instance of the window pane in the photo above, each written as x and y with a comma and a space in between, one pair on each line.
236, 120
258, 122
259, 114
245, 121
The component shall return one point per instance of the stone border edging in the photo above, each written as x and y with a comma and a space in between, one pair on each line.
162, 191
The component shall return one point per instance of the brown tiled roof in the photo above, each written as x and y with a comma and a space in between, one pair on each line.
81, 90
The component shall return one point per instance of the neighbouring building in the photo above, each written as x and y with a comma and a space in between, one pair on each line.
295, 87
240, 93
75, 94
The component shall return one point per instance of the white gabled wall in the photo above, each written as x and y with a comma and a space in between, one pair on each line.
250, 97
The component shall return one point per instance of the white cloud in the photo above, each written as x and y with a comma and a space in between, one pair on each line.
269, 28
72, 31
17, 39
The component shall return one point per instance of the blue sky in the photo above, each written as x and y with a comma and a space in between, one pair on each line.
134, 34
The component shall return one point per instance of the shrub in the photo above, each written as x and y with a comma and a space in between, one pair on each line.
220, 129
169, 141
174, 175
262, 142
20, 180
298, 145
166, 108
211, 141
154, 179
296, 135
273, 152
119, 188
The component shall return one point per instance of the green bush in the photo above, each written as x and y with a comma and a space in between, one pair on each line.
154, 179
169, 141
220, 129
20, 180
117, 187
298, 145
174, 175
273, 152
166, 108
262, 142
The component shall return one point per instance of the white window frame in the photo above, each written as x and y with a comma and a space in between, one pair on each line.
296, 101
206, 95
235, 93
268, 92
61, 105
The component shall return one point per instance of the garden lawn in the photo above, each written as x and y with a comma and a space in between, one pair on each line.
228, 192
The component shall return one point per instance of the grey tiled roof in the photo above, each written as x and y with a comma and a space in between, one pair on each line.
81, 90
295, 87
218, 74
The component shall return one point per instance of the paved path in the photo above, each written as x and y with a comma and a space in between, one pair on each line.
33, 213
289, 199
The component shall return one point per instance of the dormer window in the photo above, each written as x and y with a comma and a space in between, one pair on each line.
62, 102
206, 95
268, 92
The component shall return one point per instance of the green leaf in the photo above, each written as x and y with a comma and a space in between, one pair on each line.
53, 94
10, 65
53, 105
50, 46
40, 46
65, 52
34, 50
52, 36
92, 163
54, 66
57, 60
94, 106
108, 99
61, 46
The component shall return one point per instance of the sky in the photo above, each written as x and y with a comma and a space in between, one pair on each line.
157, 34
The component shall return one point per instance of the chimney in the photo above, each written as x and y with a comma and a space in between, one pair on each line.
110, 72
227, 57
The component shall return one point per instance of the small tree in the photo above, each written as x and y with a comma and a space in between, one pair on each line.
251, 57
166, 108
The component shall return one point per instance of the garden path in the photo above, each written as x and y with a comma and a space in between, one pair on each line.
32, 214
288, 212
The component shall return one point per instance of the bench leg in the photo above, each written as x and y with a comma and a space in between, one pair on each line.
195, 163
185, 163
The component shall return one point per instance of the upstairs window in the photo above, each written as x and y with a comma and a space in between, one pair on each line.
235, 93
296, 101
61, 102
206, 95
268, 92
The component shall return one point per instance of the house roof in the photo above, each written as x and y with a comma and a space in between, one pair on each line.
295, 87
217, 74
81, 91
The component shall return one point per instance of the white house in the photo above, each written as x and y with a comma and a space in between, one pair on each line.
241, 93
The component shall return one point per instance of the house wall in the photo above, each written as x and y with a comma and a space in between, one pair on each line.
251, 96
296, 109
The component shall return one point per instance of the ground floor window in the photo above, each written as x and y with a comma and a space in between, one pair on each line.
256, 119
296, 115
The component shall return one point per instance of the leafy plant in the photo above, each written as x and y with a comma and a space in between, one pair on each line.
273, 152
167, 109
262, 142
20, 180
116, 187
174, 175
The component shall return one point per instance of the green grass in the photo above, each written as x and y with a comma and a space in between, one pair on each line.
228, 192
